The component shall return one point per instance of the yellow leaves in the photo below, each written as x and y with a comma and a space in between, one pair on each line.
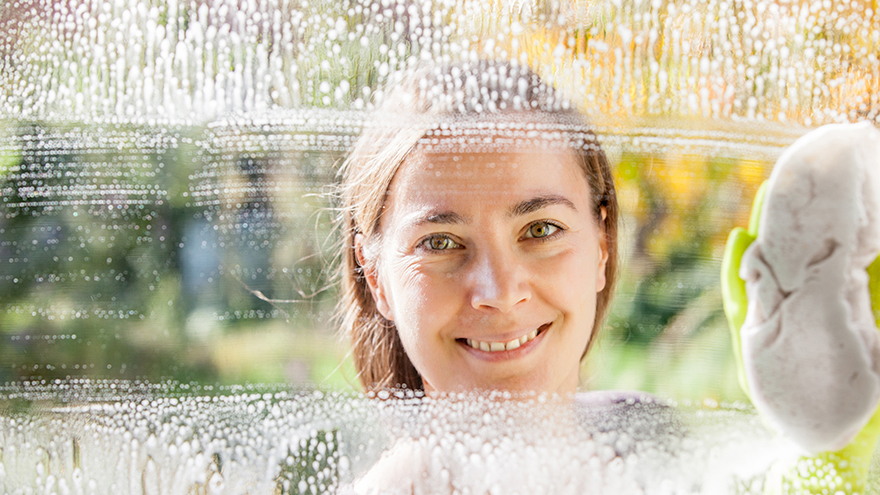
750, 175
804, 63
669, 189
676, 197
683, 178
538, 46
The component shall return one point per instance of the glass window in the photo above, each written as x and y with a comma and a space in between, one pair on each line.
169, 226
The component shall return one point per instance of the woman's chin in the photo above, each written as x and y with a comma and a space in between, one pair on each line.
526, 387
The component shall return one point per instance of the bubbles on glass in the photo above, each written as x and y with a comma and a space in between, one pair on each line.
125, 61
170, 437
134, 437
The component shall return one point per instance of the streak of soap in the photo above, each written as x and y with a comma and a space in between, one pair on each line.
191, 62
142, 438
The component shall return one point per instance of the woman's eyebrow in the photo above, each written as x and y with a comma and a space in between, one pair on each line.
445, 217
439, 217
535, 204
448, 217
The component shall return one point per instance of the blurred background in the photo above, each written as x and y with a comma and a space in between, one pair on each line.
166, 167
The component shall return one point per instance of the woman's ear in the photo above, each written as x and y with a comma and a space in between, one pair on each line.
371, 275
603, 250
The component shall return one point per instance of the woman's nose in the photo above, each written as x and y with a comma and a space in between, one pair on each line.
498, 282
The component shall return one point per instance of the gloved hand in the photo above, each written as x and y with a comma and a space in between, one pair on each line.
841, 471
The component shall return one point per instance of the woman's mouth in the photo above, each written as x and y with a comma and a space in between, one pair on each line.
506, 346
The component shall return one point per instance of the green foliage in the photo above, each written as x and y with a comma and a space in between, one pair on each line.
111, 269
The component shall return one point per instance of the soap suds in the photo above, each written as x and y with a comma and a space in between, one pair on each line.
140, 438
809, 342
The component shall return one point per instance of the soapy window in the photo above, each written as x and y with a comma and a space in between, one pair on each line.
167, 217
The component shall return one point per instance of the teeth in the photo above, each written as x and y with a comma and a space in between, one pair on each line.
502, 346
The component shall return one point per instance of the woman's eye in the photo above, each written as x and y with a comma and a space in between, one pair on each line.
538, 230
440, 243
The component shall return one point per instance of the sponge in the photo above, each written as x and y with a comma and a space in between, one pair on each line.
810, 345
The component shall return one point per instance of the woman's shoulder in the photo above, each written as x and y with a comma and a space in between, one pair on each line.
626, 419
398, 472
619, 399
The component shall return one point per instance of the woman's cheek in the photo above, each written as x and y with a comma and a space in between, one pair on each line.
421, 294
571, 272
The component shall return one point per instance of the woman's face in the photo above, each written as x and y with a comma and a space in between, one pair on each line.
489, 265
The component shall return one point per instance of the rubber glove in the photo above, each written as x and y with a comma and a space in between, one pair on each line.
843, 471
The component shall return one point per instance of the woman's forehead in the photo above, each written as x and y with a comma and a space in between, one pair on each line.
458, 161
441, 176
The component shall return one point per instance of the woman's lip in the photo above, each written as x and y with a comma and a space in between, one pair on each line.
523, 343
508, 335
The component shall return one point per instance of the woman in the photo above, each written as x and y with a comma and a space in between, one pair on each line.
480, 235
479, 223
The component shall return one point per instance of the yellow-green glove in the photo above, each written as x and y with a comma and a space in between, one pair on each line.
843, 471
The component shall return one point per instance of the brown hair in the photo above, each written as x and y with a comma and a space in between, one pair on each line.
431, 99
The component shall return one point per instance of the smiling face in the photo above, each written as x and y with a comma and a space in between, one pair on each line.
489, 266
